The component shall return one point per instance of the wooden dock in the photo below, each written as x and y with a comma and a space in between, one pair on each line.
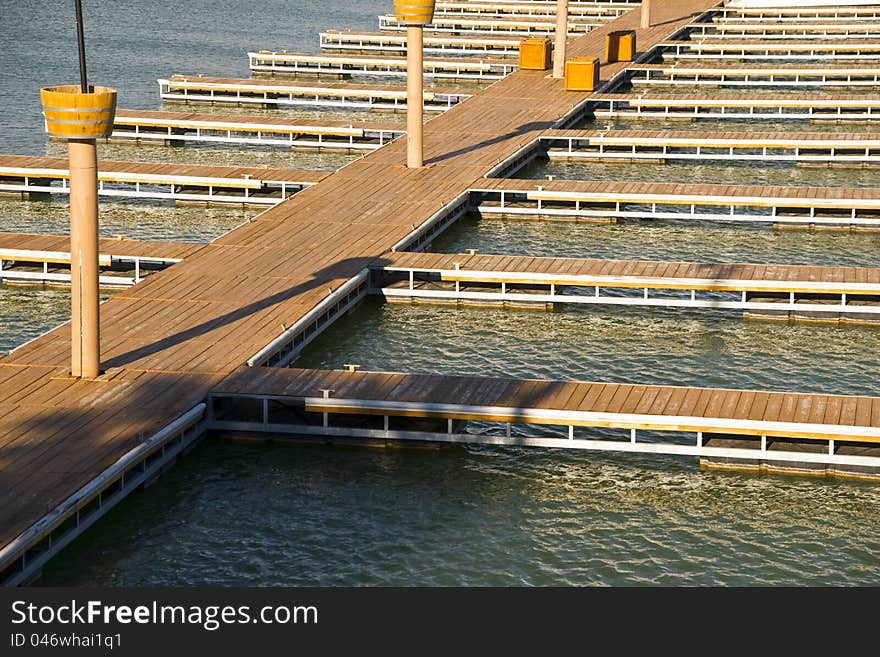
610, 201
515, 26
783, 75
45, 259
788, 107
435, 43
815, 433
837, 294
783, 14
818, 148
141, 126
39, 177
274, 93
449, 68
539, 8
767, 50
176, 344
764, 30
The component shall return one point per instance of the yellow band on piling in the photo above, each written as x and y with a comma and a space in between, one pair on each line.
71, 114
414, 12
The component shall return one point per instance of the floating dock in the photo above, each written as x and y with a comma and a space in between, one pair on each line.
140, 126
788, 107
608, 201
836, 294
820, 149
825, 31
435, 43
272, 93
784, 14
450, 68
534, 8
514, 26
766, 50
826, 434
191, 348
42, 177
779, 76
45, 259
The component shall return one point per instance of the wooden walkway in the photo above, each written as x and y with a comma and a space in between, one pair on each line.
30, 259
295, 133
733, 75
772, 291
169, 341
654, 145
273, 93
434, 43
545, 8
801, 106
518, 26
611, 405
767, 50
22, 174
745, 203
448, 68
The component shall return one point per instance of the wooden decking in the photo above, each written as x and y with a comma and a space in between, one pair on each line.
200, 89
211, 121
779, 292
208, 184
151, 127
720, 139
677, 193
120, 246
639, 273
570, 403
169, 341
448, 68
34, 259
185, 332
19, 166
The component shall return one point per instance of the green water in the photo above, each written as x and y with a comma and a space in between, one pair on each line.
280, 513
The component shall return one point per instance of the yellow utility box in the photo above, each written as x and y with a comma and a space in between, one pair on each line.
535, 54
582, 74
620, 46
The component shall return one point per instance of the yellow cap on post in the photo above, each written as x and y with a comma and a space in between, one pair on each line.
414, 12
71, 114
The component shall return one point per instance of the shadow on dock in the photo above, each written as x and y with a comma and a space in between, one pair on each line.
525, 128
348, 267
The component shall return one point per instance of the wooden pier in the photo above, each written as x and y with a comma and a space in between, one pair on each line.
837, 294
140, 126
783, 14
609, 201
776, 31
766, 50
40, 177
806, 107
273, 93
45, 259
534, 8
814, 433
390, 42
184, 350
449, 68
783, 75
514, 26
814, 148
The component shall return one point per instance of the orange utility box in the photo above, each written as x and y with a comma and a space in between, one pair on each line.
620, 46
582, 74
535, 54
